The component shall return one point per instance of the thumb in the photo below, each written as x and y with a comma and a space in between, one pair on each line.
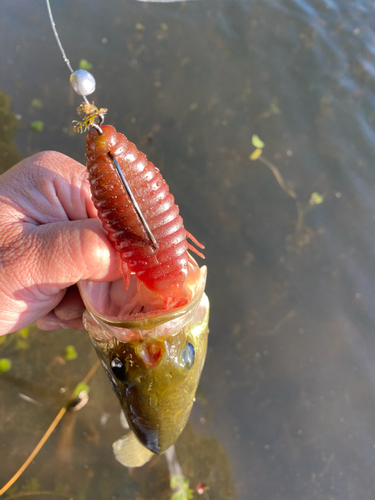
45, 260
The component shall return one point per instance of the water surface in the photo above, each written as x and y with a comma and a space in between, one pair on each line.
287, 399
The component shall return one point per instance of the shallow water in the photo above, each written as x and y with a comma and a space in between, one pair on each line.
287, 398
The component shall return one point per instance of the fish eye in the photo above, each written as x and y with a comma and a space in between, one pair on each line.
118, 369
188, 355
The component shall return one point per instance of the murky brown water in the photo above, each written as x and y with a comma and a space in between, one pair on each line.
286, 403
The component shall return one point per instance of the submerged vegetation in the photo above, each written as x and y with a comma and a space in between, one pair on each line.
37, 126
14, 342
180, 485
83, 64
74, 402
5, 365
42, 369
302, 233
70, 353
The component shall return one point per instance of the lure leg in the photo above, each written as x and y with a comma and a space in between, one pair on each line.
194, 240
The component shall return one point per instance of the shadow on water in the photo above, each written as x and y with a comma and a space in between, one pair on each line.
286, 399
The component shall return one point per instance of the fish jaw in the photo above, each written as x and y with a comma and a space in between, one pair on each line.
135, 311
153, 360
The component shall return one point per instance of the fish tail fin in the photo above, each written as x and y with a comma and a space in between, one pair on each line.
130, 452
123, 420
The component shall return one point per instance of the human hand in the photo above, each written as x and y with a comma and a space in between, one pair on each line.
50, 238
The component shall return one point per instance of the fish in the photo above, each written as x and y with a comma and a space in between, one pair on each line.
150, 328
154, 371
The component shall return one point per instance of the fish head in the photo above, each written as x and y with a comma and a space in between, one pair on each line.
153, 356
156, 377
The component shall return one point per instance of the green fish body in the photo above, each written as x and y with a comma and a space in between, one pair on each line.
153, 371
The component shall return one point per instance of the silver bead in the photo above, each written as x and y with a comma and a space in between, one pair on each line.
82, 82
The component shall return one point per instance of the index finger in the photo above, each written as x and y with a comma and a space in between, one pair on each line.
47, 187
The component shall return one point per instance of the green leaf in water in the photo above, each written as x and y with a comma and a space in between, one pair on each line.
182, 486
189, 492
316, 199
83, 64
164, 26
37, 103
178, 495
5, 365
81, 387
256, 142
59, 488
274, 109
13, 490
70, 353
175, 481
139, 27
24, 332
255, 154
32, 484
37, 126
21, 344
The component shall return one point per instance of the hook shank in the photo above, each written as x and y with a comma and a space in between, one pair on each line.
134, 201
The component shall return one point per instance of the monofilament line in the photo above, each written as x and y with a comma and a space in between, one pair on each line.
59, 43
57, 37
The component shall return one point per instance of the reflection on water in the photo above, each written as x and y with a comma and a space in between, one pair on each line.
288, 387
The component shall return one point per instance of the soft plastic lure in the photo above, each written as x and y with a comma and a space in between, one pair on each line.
163, 266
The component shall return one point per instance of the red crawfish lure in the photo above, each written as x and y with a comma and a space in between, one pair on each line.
138, 212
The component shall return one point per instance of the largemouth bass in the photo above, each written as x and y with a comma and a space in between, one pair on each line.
153, 362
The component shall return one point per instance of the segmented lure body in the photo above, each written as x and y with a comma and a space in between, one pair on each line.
163, 269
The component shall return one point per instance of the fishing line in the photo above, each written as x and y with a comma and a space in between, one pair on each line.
62, 48
57, 36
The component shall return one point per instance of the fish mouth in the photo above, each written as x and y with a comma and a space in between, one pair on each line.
152, 443
137, 312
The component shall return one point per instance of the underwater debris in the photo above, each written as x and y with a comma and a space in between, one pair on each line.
302, 233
